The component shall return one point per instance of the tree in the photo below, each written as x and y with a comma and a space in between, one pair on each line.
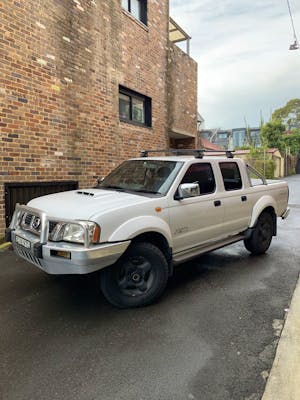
289, 115
272, 134
292, 141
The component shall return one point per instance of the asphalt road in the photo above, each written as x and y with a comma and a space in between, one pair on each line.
212, 336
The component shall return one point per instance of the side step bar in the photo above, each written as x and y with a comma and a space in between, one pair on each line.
196, 251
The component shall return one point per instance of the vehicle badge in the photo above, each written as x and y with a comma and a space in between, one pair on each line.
36, 223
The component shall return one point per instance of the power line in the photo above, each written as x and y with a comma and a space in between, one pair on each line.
295, 45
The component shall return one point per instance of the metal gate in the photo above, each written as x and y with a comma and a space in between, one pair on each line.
16, 192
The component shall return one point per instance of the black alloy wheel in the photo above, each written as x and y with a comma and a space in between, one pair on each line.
261, 237
138, 278
135, 276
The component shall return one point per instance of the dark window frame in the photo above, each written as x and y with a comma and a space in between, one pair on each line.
143, 3
231, 183
147, 107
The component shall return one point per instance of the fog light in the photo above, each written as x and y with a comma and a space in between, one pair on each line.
59, 253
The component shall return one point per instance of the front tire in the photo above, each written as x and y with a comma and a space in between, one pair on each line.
261, 237
137, 278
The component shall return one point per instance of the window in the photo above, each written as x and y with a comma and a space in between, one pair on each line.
147, 177
138, 8
231, 175
255, 177
202, 174
134, 107
124, 106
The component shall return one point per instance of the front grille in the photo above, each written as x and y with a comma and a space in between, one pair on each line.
32, 223
27, 255
28, 219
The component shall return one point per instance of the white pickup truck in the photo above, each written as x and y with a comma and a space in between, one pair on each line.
146, 216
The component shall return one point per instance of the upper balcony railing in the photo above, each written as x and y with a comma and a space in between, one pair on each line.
177, 34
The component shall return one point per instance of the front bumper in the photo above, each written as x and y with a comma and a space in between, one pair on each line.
81, 260
60, 257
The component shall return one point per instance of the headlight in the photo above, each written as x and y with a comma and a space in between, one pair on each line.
76, 233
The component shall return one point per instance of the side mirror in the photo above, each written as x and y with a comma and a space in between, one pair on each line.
99, 180
186, 190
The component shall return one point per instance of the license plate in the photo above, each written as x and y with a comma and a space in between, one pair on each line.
23, 242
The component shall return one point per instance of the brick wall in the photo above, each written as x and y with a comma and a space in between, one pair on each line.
182, 95
61, 65
144, 68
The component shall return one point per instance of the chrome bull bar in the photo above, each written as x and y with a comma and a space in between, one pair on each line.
20, 210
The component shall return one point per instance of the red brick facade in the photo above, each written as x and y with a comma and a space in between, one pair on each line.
60, 69
182, 97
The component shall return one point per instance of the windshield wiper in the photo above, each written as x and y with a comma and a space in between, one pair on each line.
112, 187
146, 191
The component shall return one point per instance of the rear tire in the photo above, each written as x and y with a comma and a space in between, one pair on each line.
137, 278
261, 237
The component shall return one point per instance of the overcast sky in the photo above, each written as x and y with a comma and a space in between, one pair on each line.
244, 65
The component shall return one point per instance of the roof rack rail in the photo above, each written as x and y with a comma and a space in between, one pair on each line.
198, 153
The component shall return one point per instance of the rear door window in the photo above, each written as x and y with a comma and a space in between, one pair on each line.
231, 175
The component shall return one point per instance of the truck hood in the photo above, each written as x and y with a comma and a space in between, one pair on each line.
85, 203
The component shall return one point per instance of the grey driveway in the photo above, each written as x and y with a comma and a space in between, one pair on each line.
212, 336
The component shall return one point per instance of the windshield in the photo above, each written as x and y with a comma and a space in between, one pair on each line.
145, 176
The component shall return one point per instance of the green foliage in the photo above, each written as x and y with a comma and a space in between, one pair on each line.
248, 138
258, 158
265, 167
292, 141
244, 147
258, 152
289, 114
272, 134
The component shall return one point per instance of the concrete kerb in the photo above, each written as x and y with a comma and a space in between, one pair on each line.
283, 382
4, 246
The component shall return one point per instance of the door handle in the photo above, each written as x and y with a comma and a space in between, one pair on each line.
217, 203
244, 198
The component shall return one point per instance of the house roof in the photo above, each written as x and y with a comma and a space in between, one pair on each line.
206, 144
